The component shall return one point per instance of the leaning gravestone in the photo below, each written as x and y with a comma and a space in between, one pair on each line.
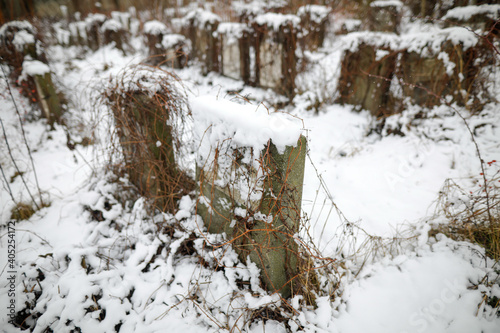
250, 168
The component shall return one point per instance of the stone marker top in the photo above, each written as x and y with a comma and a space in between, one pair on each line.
201, 17
232, 29
32, 68
95, 18
386, 3
16, 26
155, 27
465, 13
112, 25
432, 39
275, 21
317, 13
217, 120
174, 40
143, 78
22, 38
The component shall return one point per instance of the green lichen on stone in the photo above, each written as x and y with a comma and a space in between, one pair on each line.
48, 98
269, 244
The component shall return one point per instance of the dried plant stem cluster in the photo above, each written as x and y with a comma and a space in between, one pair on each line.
148, 110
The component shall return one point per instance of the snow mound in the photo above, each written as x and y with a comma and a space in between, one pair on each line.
318, 13
247, 125
465, 13
155, 28
275, 21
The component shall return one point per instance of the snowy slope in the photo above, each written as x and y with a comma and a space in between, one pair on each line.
94, 259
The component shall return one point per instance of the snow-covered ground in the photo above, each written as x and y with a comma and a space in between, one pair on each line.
94, 260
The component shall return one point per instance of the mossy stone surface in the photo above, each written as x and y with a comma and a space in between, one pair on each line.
268, 244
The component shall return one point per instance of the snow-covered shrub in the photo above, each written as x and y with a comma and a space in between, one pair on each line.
473, 209
149, 107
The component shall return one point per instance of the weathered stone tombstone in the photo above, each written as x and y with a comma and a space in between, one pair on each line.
113, 32
276, 43
47, 97
94, 23
61, 34
366, 75
251, 184
78, 33
124, 18
17, 39
154, 31
235, 50
165, 47
428, 69
444, 66
385, 15
200, 26
313, 22
177, 49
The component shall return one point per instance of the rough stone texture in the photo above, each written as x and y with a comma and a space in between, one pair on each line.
119, 37
269, 244
145, 160
78, 33
349, 25
94, 38
48, 99
176, 54
39, 87
428, 78
487, 21
204, 41
365, 79
11, 53
270, 64
384, 16
155, 49
313, 28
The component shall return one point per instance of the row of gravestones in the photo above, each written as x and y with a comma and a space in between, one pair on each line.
261, 51
381, 70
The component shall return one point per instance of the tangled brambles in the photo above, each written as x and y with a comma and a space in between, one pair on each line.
474, 215
150, 110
